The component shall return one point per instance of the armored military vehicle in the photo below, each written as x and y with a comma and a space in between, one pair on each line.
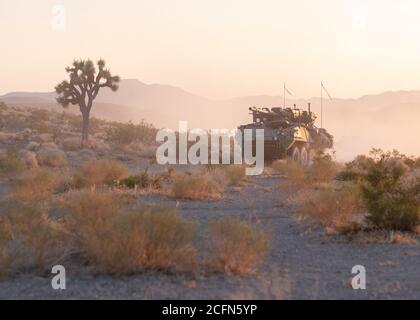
289, 133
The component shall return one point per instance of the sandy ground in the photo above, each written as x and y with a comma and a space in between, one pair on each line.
302, 264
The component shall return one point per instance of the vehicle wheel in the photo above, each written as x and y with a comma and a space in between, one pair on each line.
304, 156
296, 154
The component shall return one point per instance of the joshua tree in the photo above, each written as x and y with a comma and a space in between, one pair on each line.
83, 87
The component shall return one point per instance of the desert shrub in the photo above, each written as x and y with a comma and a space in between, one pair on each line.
143, 180
117, 240
52, 157
235, 175
338, 208
99, 172
355, 169
295, 172
31, 239
10, 164
29, 158
37, 115
8, 256
323, 168
358, 168
39, 120
416, 164
391, 203
238, 247
35, 187
196, 187
126, 133
3, 106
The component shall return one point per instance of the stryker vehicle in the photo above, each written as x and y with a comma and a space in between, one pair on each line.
288, 133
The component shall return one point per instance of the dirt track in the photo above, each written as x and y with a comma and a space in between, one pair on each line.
302, 264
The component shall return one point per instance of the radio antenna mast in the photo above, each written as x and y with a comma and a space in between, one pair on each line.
284, 94
322, 101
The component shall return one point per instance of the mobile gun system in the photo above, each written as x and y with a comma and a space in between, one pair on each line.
289, 133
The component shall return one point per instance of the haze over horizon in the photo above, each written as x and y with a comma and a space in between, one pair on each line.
277, 95
218, 49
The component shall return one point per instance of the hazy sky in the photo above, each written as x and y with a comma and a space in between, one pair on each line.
218, 48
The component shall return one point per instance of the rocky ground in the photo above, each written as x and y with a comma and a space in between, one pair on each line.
302, 264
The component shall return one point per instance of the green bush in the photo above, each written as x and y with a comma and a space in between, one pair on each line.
391, 200
355, 169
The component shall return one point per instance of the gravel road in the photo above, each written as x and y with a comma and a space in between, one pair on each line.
302, 264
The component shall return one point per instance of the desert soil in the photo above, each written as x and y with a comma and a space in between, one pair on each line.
303, 263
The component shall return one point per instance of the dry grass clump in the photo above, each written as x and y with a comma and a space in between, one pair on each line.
30, 239
102, 229
35, 187
235, 175
39, 120
10, 164
99, 172
197, 187
238, 247
52, 156
402, 238
119, 241
381, 236
293, 171
323, 168
127, 133
3, 106
339, 209
8, 256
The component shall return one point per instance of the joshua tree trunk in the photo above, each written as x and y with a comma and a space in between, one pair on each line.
85, 132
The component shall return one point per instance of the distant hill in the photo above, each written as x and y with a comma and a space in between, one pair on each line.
388, 120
